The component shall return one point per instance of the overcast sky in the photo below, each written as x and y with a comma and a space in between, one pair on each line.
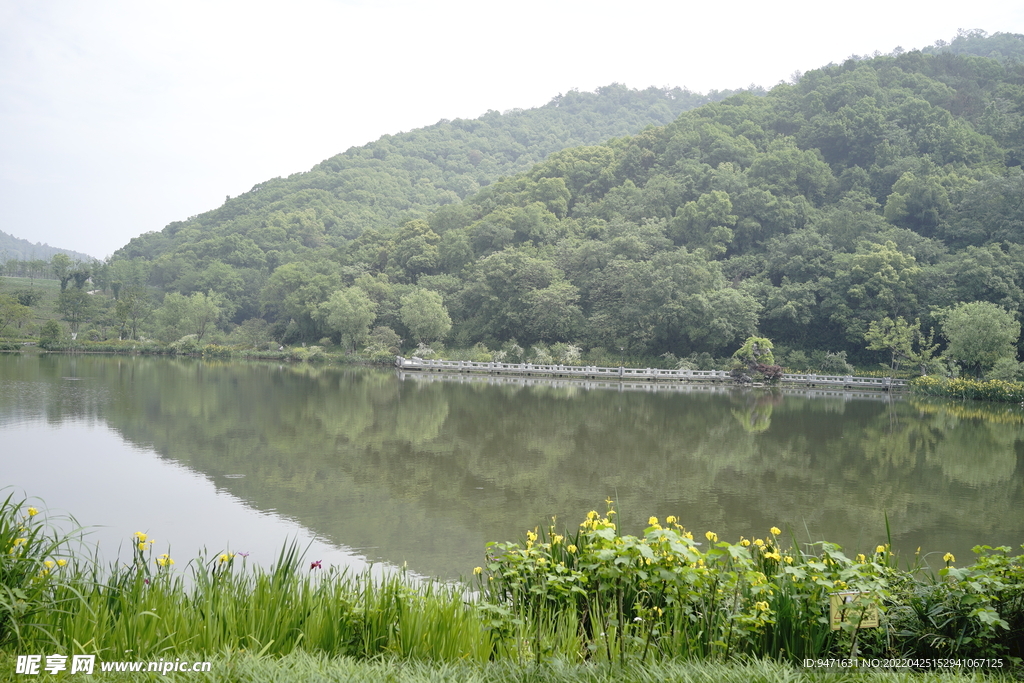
119, 117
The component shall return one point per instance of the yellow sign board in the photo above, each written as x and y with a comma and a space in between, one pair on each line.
853, 607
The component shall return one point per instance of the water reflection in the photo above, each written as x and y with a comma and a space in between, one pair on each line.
425, 471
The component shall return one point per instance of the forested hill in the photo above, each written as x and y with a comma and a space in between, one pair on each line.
876, 188
400, 177
17, 249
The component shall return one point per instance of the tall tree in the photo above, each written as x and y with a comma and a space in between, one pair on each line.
424, 313
349, 312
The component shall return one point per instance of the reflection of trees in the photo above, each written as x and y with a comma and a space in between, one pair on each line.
755, 415
430, 471
48, 387
977, 454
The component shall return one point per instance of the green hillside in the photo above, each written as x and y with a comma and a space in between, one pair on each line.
877, 188
382, 185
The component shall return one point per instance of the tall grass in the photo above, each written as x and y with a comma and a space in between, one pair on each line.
149, 607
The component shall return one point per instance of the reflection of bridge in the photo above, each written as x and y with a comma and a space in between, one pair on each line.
720, 388
621, 374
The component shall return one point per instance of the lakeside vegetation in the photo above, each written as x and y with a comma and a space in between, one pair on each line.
588, 595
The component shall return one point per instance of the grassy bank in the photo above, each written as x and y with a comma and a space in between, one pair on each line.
589, 602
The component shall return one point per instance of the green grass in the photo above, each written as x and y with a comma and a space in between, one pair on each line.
303, 667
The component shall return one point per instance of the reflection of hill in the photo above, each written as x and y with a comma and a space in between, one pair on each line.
428, 472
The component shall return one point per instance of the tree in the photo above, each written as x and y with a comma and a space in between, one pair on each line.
705, 223
926, 355
80, 275
979, 334
203, 310
875, 282
414, 249
553, 313
12, 312
297, 290
75, 306
52, 336
894, 336
253, 332
350, 312
61, 266
917, 203
755, 360
171, 317
131, 310
424, 313
899, 338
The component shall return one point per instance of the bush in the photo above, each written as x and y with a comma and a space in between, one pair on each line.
382, 357
830, 363
125, 346
1007, 369
307, 354
186, 346
797, 360
216, 351
53, 336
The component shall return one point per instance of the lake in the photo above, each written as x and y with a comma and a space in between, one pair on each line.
365, 466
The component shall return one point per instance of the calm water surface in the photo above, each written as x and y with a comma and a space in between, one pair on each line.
369, 466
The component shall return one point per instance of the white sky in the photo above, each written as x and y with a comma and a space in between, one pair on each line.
119, 117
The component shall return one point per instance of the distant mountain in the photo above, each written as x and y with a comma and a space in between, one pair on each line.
14, 248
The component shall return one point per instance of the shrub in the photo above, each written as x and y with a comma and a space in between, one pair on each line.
307, 354
216, 351
382, 357
832, 363
975, 389
186, 346
53, 336
597, 594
